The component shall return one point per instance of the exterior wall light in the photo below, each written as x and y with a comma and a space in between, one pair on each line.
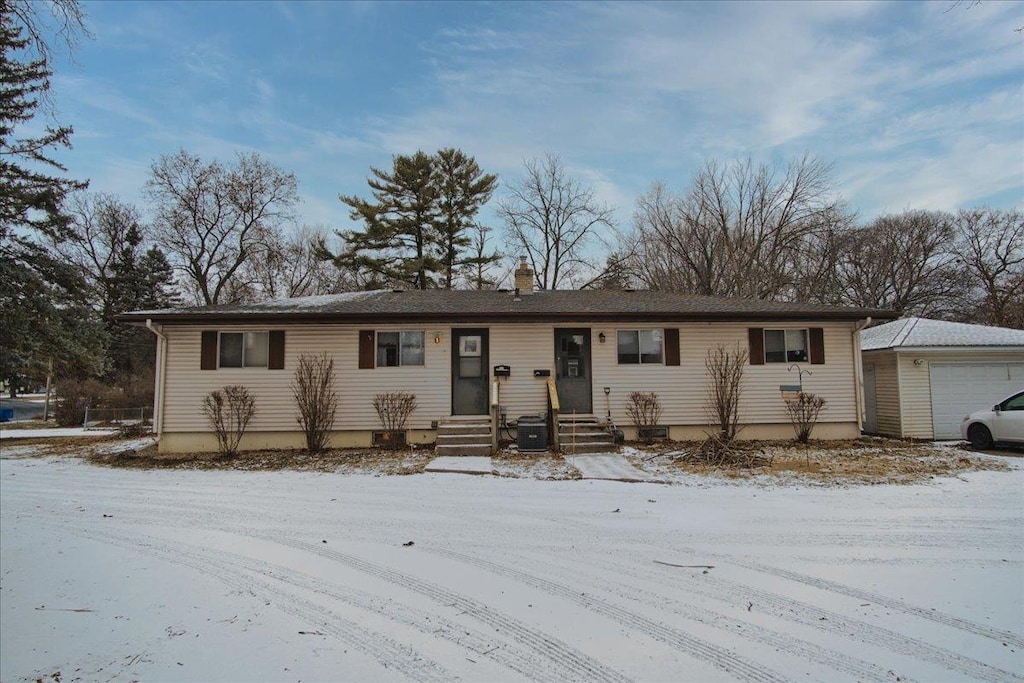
601, 337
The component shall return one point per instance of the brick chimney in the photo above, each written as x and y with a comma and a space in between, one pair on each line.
524, 277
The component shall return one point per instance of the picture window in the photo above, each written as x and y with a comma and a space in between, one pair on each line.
395, 349
244, 349
785, 346
641, 347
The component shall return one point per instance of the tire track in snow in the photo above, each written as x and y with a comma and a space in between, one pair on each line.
384, 649
578, 664
572, 665
718, 657
877, 598
838, 661
734, 592
730, 591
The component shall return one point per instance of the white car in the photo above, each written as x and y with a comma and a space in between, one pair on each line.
1003, 422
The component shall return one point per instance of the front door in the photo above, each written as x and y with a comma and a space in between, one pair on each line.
572, 370
469, 372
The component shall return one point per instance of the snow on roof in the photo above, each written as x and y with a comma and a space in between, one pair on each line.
924, 332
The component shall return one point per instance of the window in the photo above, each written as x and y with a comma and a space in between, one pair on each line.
399, 348
785, 346
1014, 403
244, 349
640, 346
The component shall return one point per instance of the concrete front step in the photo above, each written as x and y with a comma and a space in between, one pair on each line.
445, 439
460, 449
568, 447
455, 430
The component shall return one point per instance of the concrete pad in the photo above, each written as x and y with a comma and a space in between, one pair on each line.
464, 464
609, 466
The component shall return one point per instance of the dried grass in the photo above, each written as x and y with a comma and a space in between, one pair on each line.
346, 461
547, 466
876, 461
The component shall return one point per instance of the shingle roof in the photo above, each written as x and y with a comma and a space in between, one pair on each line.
924, 332
472, 305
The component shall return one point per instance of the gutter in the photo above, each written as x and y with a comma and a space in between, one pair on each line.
858, 372
160, 377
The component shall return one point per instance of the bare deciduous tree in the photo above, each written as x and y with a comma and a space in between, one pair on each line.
990, 246
313, 387
290, 265
229, 411
552, 218
211, 218
478, 266
902, 262
740, 229
725, 386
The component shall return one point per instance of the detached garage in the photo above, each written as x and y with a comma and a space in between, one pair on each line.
922, 376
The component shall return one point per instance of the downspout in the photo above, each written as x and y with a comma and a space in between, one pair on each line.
161, 373
858, 371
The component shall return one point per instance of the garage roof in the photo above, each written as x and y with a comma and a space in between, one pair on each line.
925, 332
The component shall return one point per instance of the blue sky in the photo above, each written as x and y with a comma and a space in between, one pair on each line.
917, 106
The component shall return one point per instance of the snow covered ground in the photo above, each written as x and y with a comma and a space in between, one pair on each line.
112, 574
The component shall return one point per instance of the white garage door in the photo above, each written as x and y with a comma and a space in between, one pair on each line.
961, 388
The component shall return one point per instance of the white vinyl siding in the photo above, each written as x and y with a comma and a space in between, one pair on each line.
186, 384
905, 393
681, 388
887, 394
523, 347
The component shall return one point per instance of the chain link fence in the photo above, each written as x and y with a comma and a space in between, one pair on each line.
118, 418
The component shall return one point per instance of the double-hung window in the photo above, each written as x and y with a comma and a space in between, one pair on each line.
395, 349
785, 346
640, 347
244, 349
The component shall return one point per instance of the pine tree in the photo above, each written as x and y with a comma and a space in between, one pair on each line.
463, 188
400, 236
415, 227
42, 302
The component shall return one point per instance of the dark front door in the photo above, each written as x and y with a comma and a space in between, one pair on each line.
469, 372
572, 370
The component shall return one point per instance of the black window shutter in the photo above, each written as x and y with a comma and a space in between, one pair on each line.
208, 351
817, 340
275, 359
366, 350
755, 336
671, 346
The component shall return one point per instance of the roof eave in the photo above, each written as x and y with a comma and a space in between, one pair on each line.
496, 317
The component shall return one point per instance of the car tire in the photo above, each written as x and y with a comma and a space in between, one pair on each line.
980, 437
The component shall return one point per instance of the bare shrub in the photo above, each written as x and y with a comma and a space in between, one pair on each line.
393, 409
644, 409
803, 413
74, 396
316, 398
722, 404
229, 411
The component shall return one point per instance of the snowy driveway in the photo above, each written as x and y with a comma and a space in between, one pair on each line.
224, 576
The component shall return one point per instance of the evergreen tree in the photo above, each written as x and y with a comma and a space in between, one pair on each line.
415, 227
42, 301
400, 236
463, 188
108, 245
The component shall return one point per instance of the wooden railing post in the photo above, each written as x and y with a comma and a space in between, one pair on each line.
495, 415
553, 409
